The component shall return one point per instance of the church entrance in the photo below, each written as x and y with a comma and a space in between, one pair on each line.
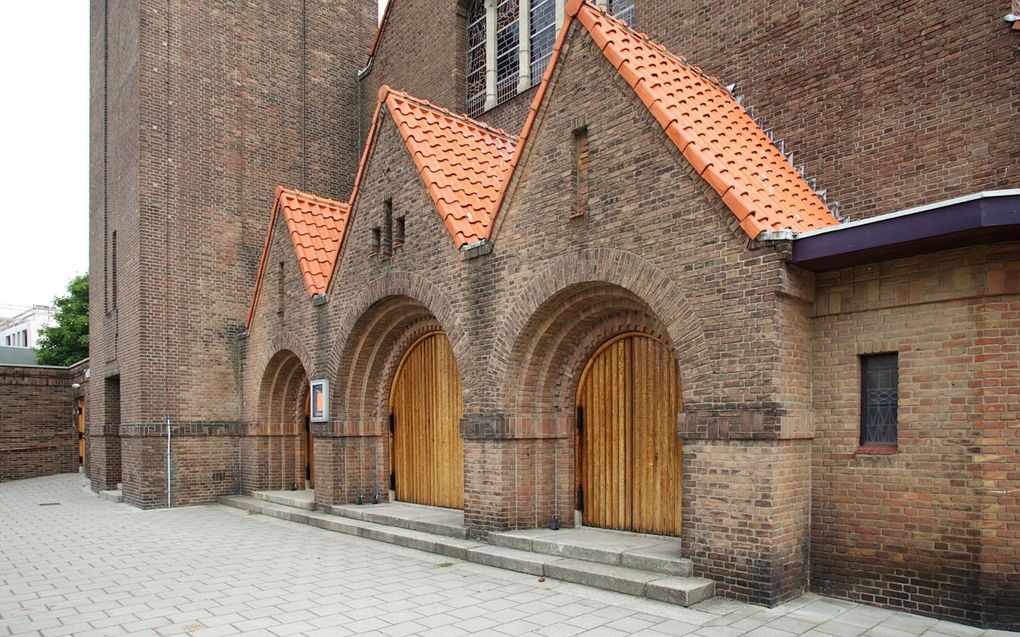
628, 459
426, 406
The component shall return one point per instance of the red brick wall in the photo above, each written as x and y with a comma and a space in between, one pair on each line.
657, 252
934, 528
205, 111
889, 105
38, 434
745, 515
421, 50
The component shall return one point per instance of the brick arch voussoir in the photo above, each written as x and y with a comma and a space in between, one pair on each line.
268, 403
279, 343
411, 285
558, 383
377, 401
615, 267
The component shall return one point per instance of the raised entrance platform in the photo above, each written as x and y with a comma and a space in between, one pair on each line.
636, 564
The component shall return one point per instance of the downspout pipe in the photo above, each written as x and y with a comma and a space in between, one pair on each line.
168, 448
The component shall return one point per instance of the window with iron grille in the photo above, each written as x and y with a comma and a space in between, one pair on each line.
879, 399
543, 36
507, 49
475, 71
623, 10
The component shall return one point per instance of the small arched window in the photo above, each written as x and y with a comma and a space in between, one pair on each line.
475, 71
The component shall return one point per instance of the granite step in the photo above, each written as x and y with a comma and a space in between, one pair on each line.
113, 495
443, 545
681, 590
655, 553
446, 522
304, 499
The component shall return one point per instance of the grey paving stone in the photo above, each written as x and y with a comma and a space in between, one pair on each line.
207, 570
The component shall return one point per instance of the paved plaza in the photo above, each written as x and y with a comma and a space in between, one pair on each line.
72, 564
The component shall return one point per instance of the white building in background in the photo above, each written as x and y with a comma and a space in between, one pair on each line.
22, 330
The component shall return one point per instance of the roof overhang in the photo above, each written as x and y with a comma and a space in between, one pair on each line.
979, 218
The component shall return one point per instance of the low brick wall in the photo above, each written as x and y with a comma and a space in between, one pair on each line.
37, 427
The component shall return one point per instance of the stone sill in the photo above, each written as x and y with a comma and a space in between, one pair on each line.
876, 450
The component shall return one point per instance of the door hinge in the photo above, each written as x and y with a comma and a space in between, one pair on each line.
393, 423
393, 481
580, 498
580, 419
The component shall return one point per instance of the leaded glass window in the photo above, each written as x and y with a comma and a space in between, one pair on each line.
543, 36
879, 399
475, 57
623, 10
507, 49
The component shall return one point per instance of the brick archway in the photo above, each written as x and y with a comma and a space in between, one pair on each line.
274, 452
607, 291
554, 326
413, 287
389, 315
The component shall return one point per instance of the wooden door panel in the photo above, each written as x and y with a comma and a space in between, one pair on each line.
81, 430
606, 471
656, 445
428, 453
629, 453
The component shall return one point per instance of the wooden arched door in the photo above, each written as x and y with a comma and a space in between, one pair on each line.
426, 406
629, 470
309, 446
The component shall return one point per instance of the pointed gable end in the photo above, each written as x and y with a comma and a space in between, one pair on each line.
714, 133
464, 164
316, 226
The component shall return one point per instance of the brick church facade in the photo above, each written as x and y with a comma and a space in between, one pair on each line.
619, 293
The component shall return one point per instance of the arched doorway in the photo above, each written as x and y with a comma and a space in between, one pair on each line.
426, 406
628, 452
285, 446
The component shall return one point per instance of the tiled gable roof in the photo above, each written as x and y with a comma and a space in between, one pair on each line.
463, 163
316, 229
715, 134
316, 226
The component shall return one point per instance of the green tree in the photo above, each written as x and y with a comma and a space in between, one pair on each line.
67, 341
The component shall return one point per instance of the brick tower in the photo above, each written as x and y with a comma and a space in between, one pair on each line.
198, 111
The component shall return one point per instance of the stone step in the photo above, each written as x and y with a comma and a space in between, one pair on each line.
511, 559
297, 499
443, 545
446, 522
654, 553
683, 591
113, 495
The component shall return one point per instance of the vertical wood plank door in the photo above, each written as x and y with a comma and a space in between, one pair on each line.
426, 403
309, 446
629, 469
80, 422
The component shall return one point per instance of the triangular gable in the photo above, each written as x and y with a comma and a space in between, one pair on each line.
716, 135
316, 226
463, 163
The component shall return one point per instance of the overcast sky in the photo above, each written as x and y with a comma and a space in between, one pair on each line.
44, 128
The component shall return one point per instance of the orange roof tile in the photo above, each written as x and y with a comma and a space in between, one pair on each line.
715, 134
316, 226
465, 164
